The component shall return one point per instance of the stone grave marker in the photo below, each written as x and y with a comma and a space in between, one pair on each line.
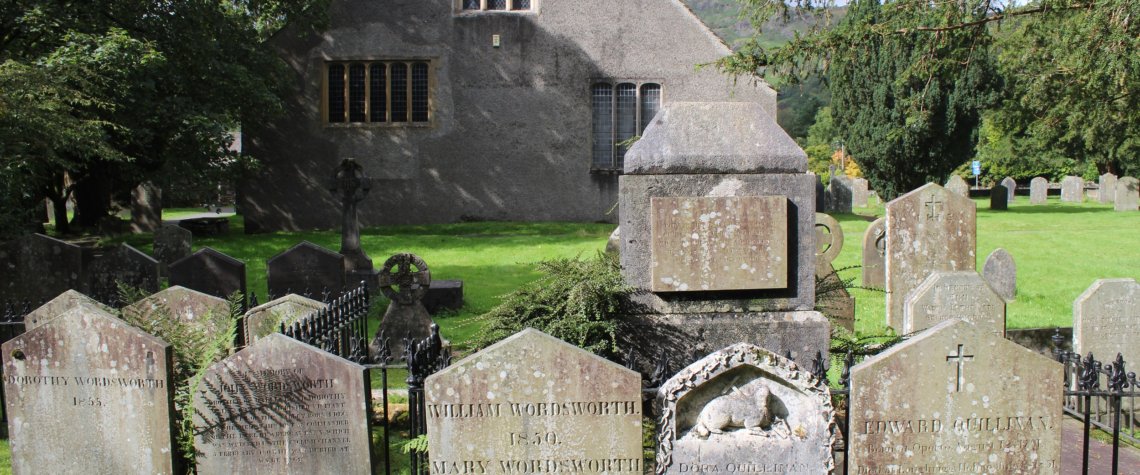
1106, 192
929, 229
87, 393
861, 194
64, 302
1010, 188
146, 208
267, 318
1072, 189
209, 313
956, 399
1038, 191
1001, 272
404, 279
121, 265
36, 268
957, 184
820, 195
171, 243
281, 406
1127, 194
1106, 320
840, 195
745, 409
443, 295
613, 244
533, 403
999, 198
308, 270
831, 296
961, 295
211, 272
874, 254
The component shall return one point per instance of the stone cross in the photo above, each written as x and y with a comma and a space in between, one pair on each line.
960, 357
352, 185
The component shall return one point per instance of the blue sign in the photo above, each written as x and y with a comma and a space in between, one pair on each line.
977, 166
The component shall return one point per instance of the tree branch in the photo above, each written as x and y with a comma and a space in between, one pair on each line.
992, 18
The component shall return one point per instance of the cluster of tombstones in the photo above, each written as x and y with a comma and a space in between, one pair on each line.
1123, 193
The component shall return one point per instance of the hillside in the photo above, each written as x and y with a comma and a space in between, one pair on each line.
723, 16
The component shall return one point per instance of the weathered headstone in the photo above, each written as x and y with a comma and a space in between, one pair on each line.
1127, 194
1001, 272
122, 265
831, 296
874, 254
171, 243
281, 406
745, 409
929, 229
1010, 188
999, 198
146, 208
613, 244
1072, 189
1038, 191
404, 279
267, 318
956, 399
1106, 320
957, 184
210, 272
36, 268
210, 314
1106, 191
443, 295
352, 185
308, 270
840, 195
963, 295
66, 301
532, 403
87, 393
862, 193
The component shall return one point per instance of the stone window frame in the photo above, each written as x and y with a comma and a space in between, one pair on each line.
488, 6
370, 100
616, 161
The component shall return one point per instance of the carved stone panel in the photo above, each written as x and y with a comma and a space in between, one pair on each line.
724, 243
961, 295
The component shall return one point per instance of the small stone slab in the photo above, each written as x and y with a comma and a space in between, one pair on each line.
533, 403
36, 268
861, 192
266, 319
1106, 320
957, 184
172, 243
840, 195
613, 244
1106, 192
1010, 188
281, 406
725, 243
212, 314
146, 208
929, 229
87, 393
443, 295
66, 301
686, 338
745, 409
956, 399
874, 254
1127, 194
999, 198
1038, 191
211, 272
1072, 189
121, 265
1001, 272
308, 270
961, 295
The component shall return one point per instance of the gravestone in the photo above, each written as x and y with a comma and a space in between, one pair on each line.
121, 265
929, 229
146, 208
351, 185
1127, 194
956, 399
35, 268
1038, 191
87, 393
210, 272
1106, 320
831, 296
404, 279
820, 195
308, 270
1106, 192
266, 319
874, 254
840, 195
443, 295
999, 198
1072, 189
281, 406
613, 244
957, 184
66, 301
963, 295
745, 409
1010, 188
208, 313
1001, 272
861, 194
171, 243
533, 403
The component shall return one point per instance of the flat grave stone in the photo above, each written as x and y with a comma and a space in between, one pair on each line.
874, 254
1000, 271
1072, 189
267, 318
281, 406
1106, 320
929, 229
745, 409
210, 314
87, 393
957, 184
956, 399
443, 295
999, 198
1127, 194
64, 302
1038, 191
1106, 192
122, 265
1010, 188
36, 268
211, 272
533, 403
961, 295
308, 270
171, 243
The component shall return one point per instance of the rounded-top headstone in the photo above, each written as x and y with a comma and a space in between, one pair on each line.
714, 137
267, 318
1010, 188
1127, 195
1105, 320
1038, 190
958, 185
1001, 272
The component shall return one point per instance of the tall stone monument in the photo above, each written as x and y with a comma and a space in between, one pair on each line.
351, 185
717, 220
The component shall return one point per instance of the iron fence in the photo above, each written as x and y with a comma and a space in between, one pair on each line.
341, 328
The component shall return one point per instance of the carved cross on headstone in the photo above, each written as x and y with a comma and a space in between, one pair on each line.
352, 185
960, 358
934, 208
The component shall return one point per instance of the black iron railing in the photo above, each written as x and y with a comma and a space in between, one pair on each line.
340, 329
